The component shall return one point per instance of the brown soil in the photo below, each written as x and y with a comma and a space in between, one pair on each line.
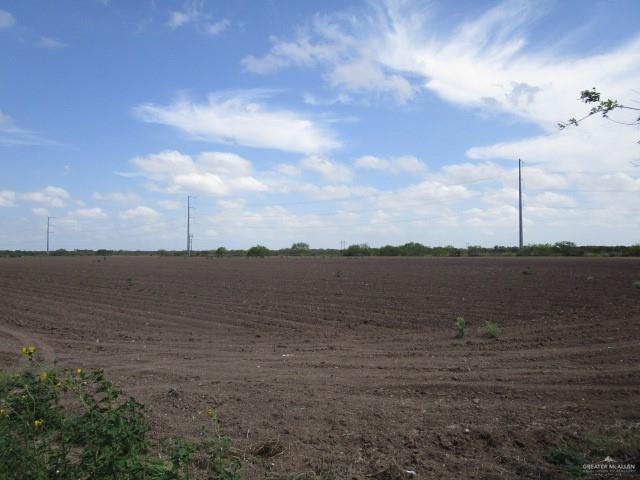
349, 366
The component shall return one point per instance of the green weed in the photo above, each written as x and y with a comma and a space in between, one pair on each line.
68, 424
461, 327
491, 330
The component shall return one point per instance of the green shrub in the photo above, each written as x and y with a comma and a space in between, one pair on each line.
491, 330
299, 248
361, 250
568, 459
63, 424
258, 251
461, 327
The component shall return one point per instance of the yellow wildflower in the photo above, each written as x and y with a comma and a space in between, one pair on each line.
29, 352
210, 412
44, 376
38, 423
3, 413
78, 371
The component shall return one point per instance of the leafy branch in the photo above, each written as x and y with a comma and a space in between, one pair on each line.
601, 107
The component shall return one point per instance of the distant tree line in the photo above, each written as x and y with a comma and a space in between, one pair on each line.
411, 249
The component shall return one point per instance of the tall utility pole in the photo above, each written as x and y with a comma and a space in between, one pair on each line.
49, 226
520, 198
189, 236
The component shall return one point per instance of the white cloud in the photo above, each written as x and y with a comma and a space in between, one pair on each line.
170, 204
395, 165
199, 182
193, 14
42, 212
6, 20
211, 173
118, 197
364, 75
501, 216
288, 169
593, 146
330, 171
501, 196
216, 28
335, 192
49, 42
334, 42
485, 62
552, 199
339, 99
224, 163
52, 196
7, 198
178, 19
90, 213
239, 118
141, 212
166, 163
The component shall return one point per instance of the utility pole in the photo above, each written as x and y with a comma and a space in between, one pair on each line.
189, 236
520, 199
49, 226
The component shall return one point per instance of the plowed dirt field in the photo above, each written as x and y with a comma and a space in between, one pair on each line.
351, 363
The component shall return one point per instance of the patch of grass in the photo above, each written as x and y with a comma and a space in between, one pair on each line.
268, 449
622, 444
491, 330
567, 459
68, 424
461, 327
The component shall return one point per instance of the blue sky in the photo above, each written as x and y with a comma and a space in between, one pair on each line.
368, 122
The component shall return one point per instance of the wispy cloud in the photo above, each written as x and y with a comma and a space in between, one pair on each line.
49, 42
11, 134
334, 42
486, 63
242, 118
6, 20
193, 13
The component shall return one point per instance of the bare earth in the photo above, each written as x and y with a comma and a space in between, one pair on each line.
352, 363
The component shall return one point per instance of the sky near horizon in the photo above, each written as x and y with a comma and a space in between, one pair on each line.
378, 122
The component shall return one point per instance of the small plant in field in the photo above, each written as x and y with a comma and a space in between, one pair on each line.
129, 282
461, 327
527, 271
636, 284
68, 424
491, 330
